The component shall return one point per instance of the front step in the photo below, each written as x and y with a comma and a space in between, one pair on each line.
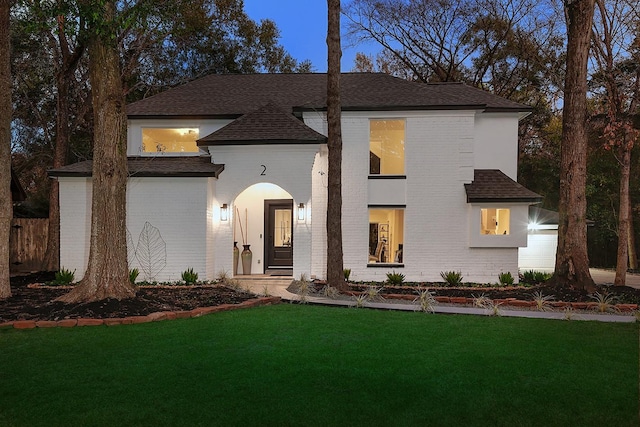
256, 283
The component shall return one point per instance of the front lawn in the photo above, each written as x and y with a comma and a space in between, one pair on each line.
310, 365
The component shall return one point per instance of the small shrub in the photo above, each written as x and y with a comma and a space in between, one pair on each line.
542, 301
223, 276
604, 302
425, 301
64, 277
541, 276
452, 278
189, 276
347, 273
395, 279
133, 275
532, 277
505, 279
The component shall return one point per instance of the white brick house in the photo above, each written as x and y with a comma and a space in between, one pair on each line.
428, 173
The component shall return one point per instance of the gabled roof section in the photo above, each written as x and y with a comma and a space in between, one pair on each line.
200, 166
269, 124
492, 185
233, 95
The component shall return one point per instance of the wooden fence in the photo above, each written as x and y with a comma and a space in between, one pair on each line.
27, 244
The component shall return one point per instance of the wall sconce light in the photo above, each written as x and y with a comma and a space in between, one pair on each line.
301, 212
224, 212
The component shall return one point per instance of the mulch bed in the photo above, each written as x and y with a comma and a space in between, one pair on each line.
37, 303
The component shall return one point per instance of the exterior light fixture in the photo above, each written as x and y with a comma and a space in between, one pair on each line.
224, 212
301, 212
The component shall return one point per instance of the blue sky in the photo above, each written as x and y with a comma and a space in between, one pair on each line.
303, 29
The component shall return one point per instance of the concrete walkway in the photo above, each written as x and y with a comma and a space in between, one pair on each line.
277, 286
606, 277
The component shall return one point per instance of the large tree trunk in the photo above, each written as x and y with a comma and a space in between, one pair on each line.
623, 219
335, 271
633, 255
6, 208
572, 260
107, 274
67, 64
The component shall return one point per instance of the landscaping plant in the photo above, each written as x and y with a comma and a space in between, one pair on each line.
189, 277
64, 277
425, 301
506, 279
395, 279
605, 303
133, 275
452, 278
542, 301
347, 273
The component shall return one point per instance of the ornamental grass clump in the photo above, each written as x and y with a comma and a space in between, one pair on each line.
480, 301
605, 303
452, 278
360, 300
373, 293
425, 301
542, 301
330, 292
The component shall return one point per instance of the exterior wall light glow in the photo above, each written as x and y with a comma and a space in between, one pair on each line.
301, 212
224, 212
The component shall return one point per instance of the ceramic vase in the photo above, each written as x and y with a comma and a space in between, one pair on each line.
246, 256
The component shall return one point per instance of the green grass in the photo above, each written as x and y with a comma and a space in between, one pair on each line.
292, 365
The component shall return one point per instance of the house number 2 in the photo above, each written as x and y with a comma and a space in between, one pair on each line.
264, 170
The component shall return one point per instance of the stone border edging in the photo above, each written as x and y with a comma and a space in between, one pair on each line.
152, 317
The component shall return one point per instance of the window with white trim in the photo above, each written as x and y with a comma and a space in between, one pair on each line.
386, 235
386, 147
495, 221
170, 140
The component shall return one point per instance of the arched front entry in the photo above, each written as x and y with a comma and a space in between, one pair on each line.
263, 220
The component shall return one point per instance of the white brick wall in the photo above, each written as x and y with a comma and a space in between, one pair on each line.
441, 151
178, 207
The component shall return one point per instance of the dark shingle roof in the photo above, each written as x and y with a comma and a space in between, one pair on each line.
196, 166
233, 95
267, 124
491, 185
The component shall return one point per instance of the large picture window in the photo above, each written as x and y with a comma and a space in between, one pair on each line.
170, 140
386, 235
386, 147
495, 221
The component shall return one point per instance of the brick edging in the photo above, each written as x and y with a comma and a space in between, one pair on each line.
152, 317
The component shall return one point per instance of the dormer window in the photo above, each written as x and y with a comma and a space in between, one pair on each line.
170, 140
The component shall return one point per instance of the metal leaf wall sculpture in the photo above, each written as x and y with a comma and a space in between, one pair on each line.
131, 250
151, 251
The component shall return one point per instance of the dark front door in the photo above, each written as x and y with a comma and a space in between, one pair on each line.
279, 233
